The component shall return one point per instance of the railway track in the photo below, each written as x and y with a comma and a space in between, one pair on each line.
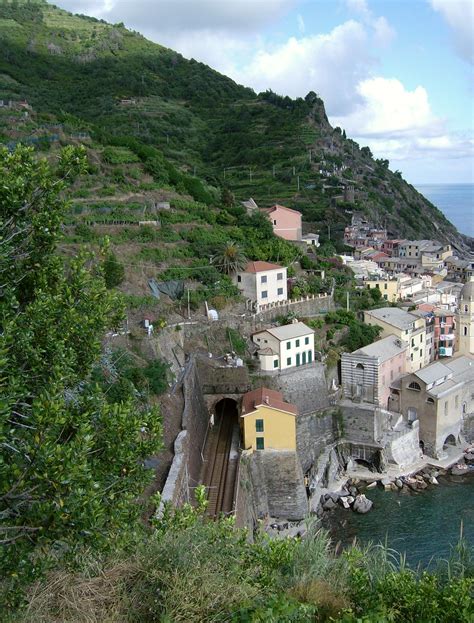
220, 476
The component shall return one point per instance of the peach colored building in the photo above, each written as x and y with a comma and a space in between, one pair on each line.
368, 372
285, 221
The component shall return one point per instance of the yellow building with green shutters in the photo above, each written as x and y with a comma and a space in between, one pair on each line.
267, 421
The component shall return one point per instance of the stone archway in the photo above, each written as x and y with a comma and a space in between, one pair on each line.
449, 441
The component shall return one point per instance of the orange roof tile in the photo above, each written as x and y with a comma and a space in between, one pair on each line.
266, 397
258, 267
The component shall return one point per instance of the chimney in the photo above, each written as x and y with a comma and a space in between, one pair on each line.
266, 400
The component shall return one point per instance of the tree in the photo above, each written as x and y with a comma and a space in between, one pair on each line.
230, 259
71, 462
114, 272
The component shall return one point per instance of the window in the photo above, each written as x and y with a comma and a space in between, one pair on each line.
263, 279
274, 221
385, 297
280, 291
412, 341
466, 308
385, 286
411, 357
264, 294
310, 356
239, 278
297, 343
275, 363
391, 375
288, 361
430, 401
421, 352
306, 340
421, 338
279, 276
259, 426
465, 331
456, 402
260, 443
442, 331
288, 345
415, 386
446, 408
359, 366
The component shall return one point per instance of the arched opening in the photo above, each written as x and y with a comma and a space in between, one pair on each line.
449, 441
422, 446
226, 407
412, 415
414, 386
367, 464
359, 366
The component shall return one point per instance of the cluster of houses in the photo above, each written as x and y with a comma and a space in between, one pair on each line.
411, 370
421, 369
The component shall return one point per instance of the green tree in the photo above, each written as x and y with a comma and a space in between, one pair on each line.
230, 259
114, 272
70, 467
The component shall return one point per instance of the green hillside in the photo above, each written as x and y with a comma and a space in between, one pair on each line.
112, 84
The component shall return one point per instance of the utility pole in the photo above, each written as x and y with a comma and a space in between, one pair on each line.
298, 182
189, 308
309, 154
294, 171
348, 307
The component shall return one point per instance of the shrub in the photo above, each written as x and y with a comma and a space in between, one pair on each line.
114, 272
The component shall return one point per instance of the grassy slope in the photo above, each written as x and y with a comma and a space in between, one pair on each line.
201, 120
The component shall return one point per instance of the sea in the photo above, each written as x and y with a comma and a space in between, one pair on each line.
456, 201
422, 526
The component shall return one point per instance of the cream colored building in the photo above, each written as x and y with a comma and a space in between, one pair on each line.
267, 421
440, 396
389, 288
465, 319
407, 327
262, 283
288, 346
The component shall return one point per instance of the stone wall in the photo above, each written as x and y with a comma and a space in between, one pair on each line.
273, 484
468, 427
315, 432
303, 308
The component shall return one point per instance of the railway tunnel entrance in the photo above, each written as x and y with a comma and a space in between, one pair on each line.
221, 458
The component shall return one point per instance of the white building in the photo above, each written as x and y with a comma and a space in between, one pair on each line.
311, 240
285, 347
262, 283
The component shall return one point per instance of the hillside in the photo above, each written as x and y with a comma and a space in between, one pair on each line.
100, 84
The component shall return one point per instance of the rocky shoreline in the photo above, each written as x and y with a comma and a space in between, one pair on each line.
351, 496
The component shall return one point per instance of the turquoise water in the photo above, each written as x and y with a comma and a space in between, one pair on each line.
424, 526
456, 201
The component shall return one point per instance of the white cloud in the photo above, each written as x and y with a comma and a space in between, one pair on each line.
185, 15
459, 14
301, 24
383, 32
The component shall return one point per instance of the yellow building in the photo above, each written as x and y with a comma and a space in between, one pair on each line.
267, 421
407, 327
389, 288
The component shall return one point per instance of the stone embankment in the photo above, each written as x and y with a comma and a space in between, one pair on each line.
351, 495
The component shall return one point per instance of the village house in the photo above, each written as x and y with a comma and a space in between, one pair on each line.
439, 397
458, 269
368, 372
389, 288
267, 421
288, 346
311, 240
262, 283
286, 223
407, 327
443, 330
390, 247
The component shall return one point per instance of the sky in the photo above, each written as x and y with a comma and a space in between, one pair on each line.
397, 75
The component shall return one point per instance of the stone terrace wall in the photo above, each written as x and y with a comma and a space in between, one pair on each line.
304, 308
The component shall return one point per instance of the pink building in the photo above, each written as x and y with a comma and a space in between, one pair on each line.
368, 372
285, 221
390, 247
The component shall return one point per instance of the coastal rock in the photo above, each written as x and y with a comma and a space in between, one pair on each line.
421, 484
399, 483
362, 504
459, 470
433, 481
469, 458
344, 502
372, 485
385, 482
329, 504
353, 490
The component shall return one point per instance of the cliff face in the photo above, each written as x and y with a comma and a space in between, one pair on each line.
273, 148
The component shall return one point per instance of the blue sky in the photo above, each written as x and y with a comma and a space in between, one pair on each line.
396, 74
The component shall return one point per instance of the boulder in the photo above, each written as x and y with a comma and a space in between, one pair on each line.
469, 458
372, 485
421, 484
353, 490
329, 504
385, 482
344, 503
433, 481
334, 496
362, 504
399, 483
350, 499
459, 470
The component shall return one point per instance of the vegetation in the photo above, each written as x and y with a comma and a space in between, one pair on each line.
190, 569
71, 466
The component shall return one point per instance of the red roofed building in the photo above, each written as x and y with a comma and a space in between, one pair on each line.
286, 222
262, 283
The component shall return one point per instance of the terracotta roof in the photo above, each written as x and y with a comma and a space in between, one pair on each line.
277, 205
258, 267
266, 397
